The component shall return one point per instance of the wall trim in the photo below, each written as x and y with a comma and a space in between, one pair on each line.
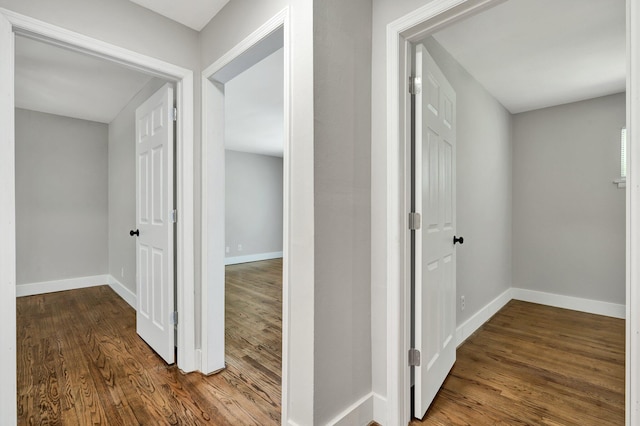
123, 291
467, 328
380, 409
43, 287
252, 258
359, 413
570, 302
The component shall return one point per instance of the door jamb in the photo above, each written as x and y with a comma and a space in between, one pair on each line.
212, 254
400, 33
183, 79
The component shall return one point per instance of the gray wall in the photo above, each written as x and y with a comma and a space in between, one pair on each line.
253, 204
61, 197
569, 218
484, 204
342, 158
122, 188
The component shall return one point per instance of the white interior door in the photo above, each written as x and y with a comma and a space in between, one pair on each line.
435, 257
154, 206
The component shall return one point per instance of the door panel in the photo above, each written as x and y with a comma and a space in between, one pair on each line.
435, 259
154, 245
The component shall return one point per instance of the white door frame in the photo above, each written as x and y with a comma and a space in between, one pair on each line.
400, 33
183, 78
213, 205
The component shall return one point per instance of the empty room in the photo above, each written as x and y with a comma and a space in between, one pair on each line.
520, 161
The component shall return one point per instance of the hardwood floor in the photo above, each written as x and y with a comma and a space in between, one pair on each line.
536, 365
81, 362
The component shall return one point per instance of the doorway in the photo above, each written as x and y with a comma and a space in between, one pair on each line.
253, 228
412, 28
270, 37
10, 24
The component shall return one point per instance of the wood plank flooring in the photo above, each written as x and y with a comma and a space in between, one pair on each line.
536, 365
81, 362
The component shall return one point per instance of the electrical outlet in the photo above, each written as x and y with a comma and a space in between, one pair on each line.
122, 272
239, 247
228, 250
462, 303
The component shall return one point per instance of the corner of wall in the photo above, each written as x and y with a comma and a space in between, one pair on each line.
122, 291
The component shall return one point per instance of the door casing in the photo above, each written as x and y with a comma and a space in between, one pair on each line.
213, 204
401, 33
183, 78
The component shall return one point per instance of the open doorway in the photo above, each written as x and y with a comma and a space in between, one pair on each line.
245, 154
14, 25
491, 235
78, 136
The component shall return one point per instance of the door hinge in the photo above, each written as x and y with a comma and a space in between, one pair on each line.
414, 358
175, 114
174, 318
414, 221
415, 85
173, 216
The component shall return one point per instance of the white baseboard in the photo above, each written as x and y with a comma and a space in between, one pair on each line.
359, 413
468, 327
252, 258
122, 291
569, 302
379, 409
60, 285
198, 365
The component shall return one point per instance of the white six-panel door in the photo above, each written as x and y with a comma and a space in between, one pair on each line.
435, 258
154, 205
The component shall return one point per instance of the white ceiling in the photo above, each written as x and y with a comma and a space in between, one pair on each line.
192, 13
254, 108
531, 54
63, 82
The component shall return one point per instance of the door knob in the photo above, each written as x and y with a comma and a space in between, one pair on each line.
136, 232
458, 240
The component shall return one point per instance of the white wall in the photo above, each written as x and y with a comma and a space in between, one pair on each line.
61, 197
122, 189
253, 204
342, 158
569, 218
